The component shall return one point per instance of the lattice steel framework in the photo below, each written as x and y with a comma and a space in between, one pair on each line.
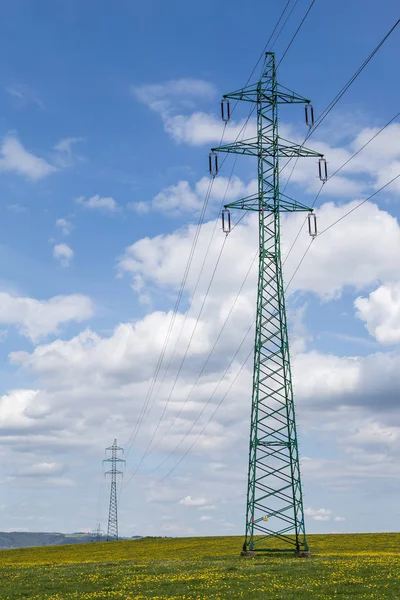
114, 460
274, 515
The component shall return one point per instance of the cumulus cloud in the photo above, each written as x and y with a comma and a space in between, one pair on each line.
348, 255
107, 358
44, 469
37, 319
181, 198
16, 159
64, 225
171, 99
63, 253
189, 501
64, 155
319, 514
105, 204
381, 313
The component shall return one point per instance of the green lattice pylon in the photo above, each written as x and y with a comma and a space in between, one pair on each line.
274, 515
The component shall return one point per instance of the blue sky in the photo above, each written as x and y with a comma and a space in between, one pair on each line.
107, 114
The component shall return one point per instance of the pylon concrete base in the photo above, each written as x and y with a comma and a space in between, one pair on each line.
248, 553
303, 554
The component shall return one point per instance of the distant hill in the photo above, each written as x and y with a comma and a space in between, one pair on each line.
23, 539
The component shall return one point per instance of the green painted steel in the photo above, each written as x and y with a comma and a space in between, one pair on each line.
274, 515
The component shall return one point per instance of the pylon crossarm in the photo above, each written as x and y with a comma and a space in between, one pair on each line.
267, 148
257, 92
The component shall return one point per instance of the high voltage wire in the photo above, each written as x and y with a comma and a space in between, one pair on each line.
186, 315
283, 26
296, 32
161, 358
203, 369
335, 173
338, 221
171, 324
319, 121
148, 449
243, 340
180, 294
143, 413
218, 405
338, 96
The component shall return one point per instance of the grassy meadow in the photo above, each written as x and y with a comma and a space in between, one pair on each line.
342, 566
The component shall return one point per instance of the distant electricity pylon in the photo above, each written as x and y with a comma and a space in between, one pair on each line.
98, 533
274, 514
112, 529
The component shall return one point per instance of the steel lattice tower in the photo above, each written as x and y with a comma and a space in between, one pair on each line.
274, 514
112, 529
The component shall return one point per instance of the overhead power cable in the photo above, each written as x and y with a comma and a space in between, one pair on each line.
144, 408
338, 221
163, 351
242, 342
296, 32
338, 97
335, 173
218, 405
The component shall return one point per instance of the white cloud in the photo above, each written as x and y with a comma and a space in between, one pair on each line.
206, 518
350, 254
319, 514
65, 145
181, 198
106, 204
171, 99
381, 313
64, 155
189, 501
89, 355
141, 208
63, 253
202, 128
36, 319
44, 469
64, 225
14, 158
14, 409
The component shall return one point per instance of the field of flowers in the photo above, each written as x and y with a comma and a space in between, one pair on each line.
342, 567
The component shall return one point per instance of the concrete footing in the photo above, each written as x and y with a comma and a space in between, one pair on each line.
303, 554
248, 553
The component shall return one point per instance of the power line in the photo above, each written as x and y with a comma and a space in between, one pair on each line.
360, 204
161, 358
296, 32
338, 221
248, 331
339, 95
199, 376
218, 405
283, 26
333, 103
147, 450
143, 413
335, 173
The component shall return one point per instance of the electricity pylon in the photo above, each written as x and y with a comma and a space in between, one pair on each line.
112, 529
274, 514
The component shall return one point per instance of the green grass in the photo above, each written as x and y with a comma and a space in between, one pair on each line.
342, 567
